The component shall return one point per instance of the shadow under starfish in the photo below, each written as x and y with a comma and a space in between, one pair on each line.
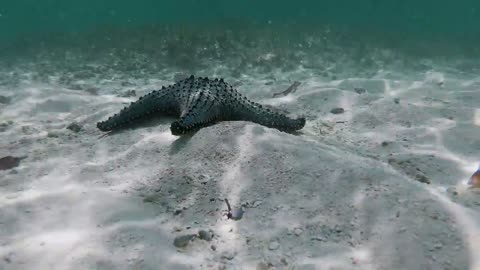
200, 102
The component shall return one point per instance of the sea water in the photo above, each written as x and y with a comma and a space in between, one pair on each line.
377, 179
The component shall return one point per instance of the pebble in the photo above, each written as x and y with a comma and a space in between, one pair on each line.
204, 235
75, 127
396, 100
183, 240
228, 255
9, 162
274, 245
359, 90
422, 179
337, 110
318, 238
237, 213
53, 134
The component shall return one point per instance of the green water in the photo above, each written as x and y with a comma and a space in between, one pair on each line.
426, 17
187, 34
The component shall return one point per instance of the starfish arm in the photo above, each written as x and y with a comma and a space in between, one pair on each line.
260, 114
203, 110
157, 102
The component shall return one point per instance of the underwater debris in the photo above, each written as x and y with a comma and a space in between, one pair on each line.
289, 90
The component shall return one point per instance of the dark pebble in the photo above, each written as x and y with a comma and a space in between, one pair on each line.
204, 235
384, 144
359, 90
236, 213
337, 110
9, 162
183, 240
396, 100
422, 179
75, 127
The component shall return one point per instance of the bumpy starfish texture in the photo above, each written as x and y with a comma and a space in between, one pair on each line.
200, 102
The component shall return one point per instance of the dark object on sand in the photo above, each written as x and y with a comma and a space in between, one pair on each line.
235, 214
9, 162
200, 102
359, 90
289, 90
337, 110
75, 127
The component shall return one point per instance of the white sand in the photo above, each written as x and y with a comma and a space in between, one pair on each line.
330, 198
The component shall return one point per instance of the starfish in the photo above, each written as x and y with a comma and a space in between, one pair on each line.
200, 102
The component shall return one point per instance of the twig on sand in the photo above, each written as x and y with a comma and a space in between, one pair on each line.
289, 90
229, 209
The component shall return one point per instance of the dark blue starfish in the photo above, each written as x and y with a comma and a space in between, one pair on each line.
200, 102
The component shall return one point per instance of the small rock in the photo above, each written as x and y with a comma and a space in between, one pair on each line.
183, 240
236, 213
359, 90
204, 235
5, 100
384, 144
9, 162
53, 134
213, 247
274, 245
318, 238
177, 212
396, 100
337, 110
422, 179
228, 255
75, 127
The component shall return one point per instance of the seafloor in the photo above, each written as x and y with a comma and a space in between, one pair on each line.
380, 186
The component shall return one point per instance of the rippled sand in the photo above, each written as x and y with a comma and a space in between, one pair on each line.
380, 186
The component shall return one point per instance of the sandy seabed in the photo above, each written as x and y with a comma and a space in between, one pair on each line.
381, 186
